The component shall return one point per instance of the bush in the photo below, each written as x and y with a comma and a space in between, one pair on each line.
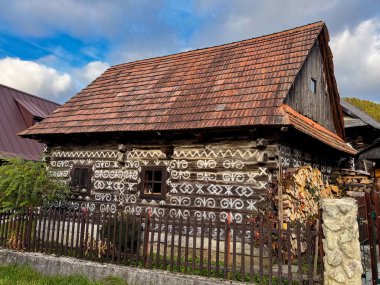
27, 184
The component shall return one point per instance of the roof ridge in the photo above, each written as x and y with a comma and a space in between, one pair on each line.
116, 66
35, 96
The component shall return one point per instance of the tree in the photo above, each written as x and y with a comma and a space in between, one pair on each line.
27, 184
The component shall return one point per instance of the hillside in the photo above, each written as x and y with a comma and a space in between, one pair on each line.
371, 108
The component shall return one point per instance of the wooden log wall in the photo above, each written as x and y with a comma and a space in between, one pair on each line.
204, 180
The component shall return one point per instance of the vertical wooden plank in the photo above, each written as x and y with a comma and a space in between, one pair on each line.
46, 228
299, 260
133, 231
63, 232
195, 230
289, 252
58, 230
187, 243
242, 252
114, 223
279, 258
109, 237
217, 249
70, 231
179, 245
85, 244
234, 234
146, 238
165, 241
151, 242
209, 247
138, 243
202, 244
39, 231
120, 235
92, 238
227, 237
127, 239
2, 225
158, 255
309, 254
251, 250
53, 232
376, 204
371, 238
270, 252
261, 249
172, 244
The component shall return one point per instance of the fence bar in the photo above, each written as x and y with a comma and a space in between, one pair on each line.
126, 238
251, 251
209, 249
289, 249
158, 242
279, 258
234, 233
187, 243
309, 254
138, 228
270, 253
165, 241
217, 256
150, 255
299, 260
242, 257
227, 246
261, 248
195, 230
179, 249
172, 245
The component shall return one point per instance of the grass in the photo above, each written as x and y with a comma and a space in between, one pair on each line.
24, 275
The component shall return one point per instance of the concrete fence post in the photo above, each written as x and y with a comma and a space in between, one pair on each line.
342, 260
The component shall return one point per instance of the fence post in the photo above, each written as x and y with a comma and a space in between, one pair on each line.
146, 237
228, 245
342, 262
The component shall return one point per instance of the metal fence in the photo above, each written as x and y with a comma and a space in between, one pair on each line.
248, 250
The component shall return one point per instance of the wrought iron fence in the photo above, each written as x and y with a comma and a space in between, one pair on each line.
248, 251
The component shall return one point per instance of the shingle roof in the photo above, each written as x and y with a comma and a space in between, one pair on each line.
12, 122
359, 114
315, 130
241, 83
238, 84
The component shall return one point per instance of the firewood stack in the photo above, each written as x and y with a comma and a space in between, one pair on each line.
303, 187
356, 180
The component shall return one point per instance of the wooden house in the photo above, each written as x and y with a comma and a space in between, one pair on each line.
203, 132
19, 111
372, 153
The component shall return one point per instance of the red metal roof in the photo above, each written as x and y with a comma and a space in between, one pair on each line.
13, 122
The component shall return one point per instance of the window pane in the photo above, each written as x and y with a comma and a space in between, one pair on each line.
157, 175
148, 175
76, 177
148, 188
85, 178
157, 188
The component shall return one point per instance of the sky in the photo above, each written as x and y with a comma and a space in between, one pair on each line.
53, 49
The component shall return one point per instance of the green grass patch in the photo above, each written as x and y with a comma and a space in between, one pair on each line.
24, 275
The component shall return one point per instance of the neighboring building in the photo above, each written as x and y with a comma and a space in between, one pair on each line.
361, 131
201, 132
19, 111
372, 153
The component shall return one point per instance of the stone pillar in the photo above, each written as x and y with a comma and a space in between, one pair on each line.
341, 243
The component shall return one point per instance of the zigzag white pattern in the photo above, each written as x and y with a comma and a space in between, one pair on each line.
82, 154
214, 154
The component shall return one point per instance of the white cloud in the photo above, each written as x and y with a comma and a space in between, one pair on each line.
357, 60
90, 71
35, 78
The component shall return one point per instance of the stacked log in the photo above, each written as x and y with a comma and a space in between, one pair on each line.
302, 190
356, 180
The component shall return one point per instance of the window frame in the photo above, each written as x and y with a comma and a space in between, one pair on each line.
313, 85
89, 182
164, 177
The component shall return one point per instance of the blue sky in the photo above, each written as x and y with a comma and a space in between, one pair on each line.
55, 48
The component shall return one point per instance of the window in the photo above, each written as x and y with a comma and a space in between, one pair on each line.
81, 178
313, 85
153, 182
